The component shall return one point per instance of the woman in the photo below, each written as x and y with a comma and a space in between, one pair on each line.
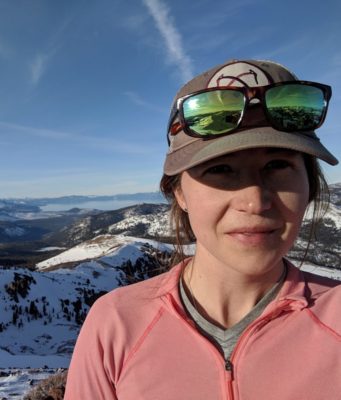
237, 320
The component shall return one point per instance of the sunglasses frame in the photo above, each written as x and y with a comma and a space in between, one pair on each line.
249, 93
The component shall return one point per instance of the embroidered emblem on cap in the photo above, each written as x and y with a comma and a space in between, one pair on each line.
239, 74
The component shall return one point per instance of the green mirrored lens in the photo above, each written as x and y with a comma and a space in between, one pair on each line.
214, 112
295, 107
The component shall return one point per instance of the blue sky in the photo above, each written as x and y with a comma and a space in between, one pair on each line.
86, 86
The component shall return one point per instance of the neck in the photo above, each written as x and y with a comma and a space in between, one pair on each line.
224, 295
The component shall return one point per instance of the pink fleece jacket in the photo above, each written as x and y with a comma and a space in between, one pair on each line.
138, 344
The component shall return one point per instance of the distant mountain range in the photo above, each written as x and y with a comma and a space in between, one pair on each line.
33, 203
28, 241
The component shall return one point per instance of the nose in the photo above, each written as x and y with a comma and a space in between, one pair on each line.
253, 198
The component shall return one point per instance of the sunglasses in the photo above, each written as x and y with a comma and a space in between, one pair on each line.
288, 106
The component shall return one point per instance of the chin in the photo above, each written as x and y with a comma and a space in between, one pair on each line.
252, 264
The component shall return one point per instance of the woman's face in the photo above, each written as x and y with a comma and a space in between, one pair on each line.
246, 208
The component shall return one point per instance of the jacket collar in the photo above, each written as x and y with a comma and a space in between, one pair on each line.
292, 294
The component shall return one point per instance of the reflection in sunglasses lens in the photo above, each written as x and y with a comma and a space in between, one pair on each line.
295, 107
213, 112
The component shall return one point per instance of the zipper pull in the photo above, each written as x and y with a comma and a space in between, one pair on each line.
229, 366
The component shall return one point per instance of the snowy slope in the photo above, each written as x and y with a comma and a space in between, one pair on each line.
88, 250
333, 215
47, 328
120, 247
155, 224
323, 271
41, 312
14, 383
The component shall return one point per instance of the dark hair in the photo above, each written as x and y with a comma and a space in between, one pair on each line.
318, 198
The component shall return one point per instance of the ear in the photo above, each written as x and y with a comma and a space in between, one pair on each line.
178, 193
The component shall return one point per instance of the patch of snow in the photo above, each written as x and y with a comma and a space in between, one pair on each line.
323, 271
50, 248
36, 215
97, 247
157, 224
15, 383
333, 213
90, 249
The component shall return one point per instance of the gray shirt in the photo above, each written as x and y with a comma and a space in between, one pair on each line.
226, 339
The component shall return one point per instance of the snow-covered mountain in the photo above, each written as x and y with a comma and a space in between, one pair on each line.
335, 193
41, 313
141, 220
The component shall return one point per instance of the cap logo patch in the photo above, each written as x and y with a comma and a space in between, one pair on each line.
239, 74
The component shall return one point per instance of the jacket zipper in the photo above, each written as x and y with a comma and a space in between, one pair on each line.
229, 364
229, 379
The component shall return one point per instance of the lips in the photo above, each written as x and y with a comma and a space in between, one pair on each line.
256, 235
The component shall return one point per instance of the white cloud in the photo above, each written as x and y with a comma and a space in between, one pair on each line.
171, 36
38, 67
41, 60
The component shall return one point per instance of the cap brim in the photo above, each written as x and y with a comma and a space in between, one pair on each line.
198, 151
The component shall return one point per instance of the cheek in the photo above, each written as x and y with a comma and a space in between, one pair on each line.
295, 202
296, 206
204, 212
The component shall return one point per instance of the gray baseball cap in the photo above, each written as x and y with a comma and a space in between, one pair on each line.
186, 151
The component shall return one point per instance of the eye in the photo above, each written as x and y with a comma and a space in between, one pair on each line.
218, 169
277, 164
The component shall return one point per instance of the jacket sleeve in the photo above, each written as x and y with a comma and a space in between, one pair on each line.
91, 373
